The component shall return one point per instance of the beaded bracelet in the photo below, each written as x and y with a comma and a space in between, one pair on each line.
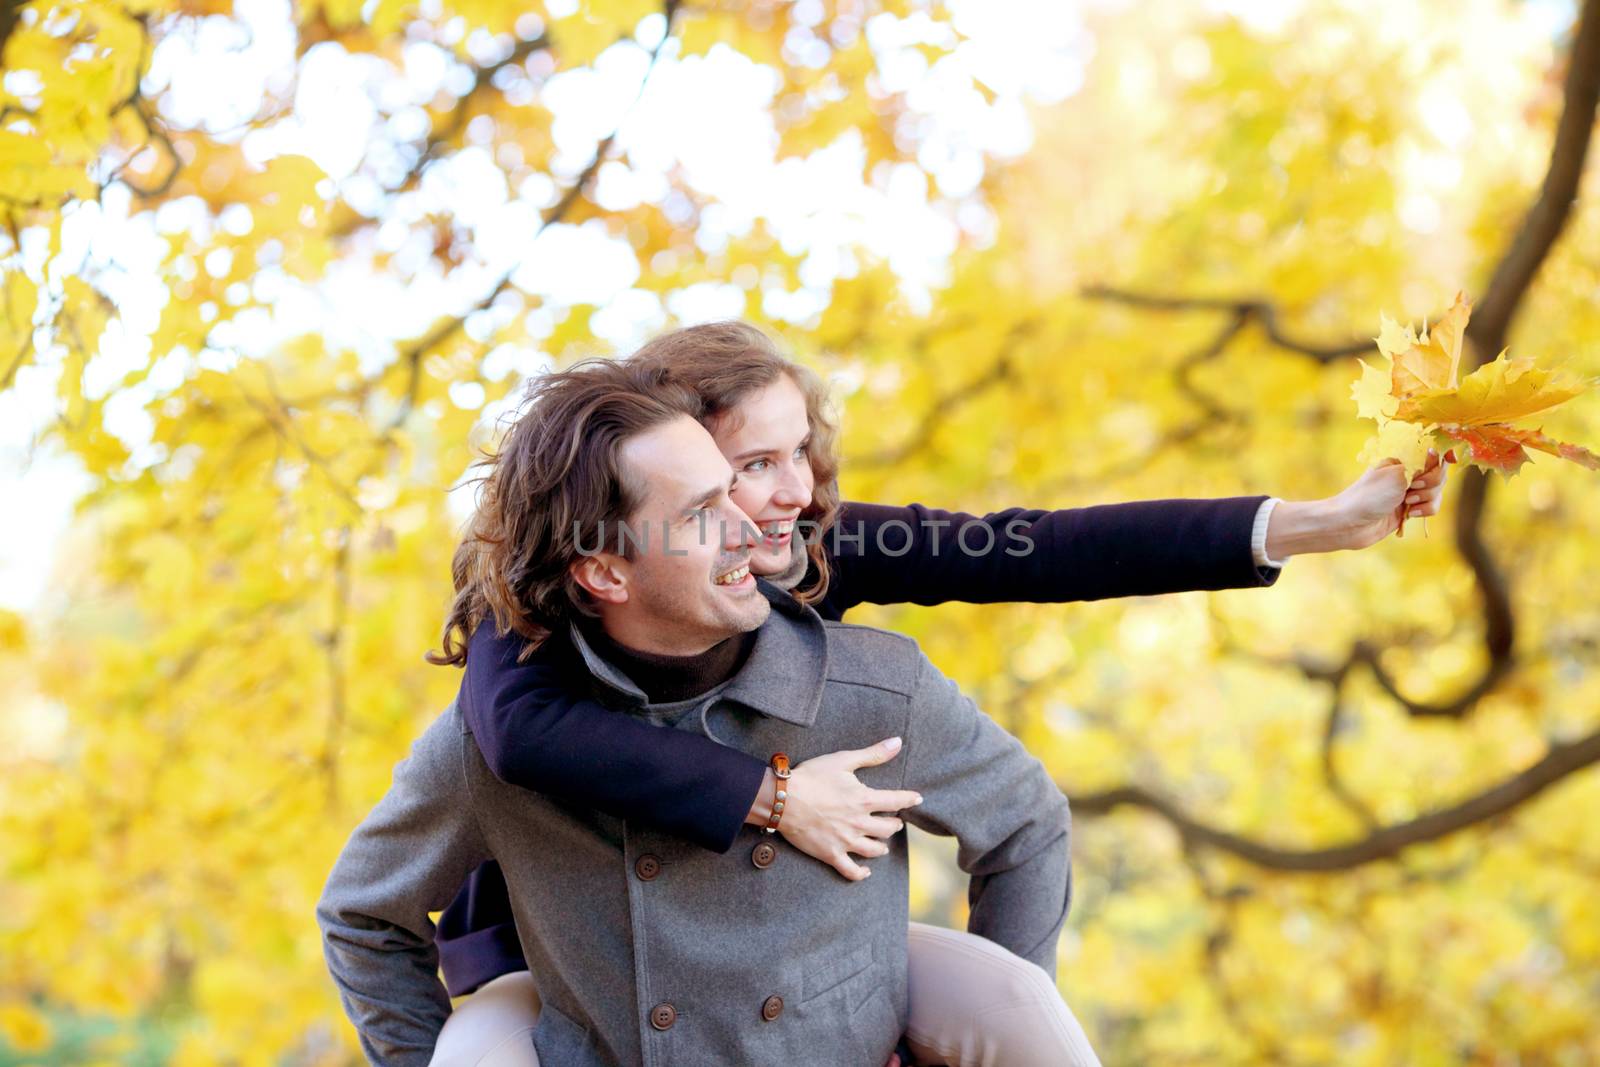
780, 768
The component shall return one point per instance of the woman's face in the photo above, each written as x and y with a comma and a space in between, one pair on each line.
765, 441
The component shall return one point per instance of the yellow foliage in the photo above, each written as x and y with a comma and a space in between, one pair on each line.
232, 662
23, 1028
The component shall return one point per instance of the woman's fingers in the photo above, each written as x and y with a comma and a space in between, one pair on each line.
1437, 468
849, 867
1425, 493
1429, 478
1426, 490
872, 755
893, 799
870, 847
886, 826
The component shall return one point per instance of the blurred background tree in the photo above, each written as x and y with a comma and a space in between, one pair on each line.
272, 273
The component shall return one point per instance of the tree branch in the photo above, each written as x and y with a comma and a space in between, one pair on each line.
10, 14
1184, 372
1559, 762
482, 77
434, 142
156, 131
1491, 319
1333, 725
1246, 309
999, 371
332, 642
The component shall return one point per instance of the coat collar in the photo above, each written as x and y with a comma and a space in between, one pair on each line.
783, 677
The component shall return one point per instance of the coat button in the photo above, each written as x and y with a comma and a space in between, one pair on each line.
662, 1016
764, 855
647, 867
771, 1008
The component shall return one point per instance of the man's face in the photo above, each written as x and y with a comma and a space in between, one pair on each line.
688, 584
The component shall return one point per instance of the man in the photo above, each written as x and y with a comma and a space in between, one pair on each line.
648, 949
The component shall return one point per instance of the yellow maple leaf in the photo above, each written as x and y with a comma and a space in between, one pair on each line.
1371, 393
1404, 441
1431, 361
1393, 338
1502, 391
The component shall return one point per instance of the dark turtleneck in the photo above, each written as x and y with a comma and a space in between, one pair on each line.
665, 679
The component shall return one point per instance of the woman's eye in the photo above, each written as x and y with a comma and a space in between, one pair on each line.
800, 452
756, 465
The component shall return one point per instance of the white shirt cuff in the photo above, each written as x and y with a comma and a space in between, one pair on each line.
1258, 535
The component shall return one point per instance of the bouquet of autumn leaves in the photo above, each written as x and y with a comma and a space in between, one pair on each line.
1419, 404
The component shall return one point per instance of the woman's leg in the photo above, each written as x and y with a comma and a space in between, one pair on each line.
492, 1027
975, 1004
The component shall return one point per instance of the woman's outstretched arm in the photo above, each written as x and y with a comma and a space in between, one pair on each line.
919, 555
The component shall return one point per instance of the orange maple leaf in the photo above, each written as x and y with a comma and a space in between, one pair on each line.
1501, 447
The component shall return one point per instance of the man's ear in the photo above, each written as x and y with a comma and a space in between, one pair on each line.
604, 576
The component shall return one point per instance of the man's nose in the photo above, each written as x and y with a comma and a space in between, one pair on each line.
738, 531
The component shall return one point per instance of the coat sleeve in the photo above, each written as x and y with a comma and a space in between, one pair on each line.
406, 859
1010, 820
537, 729
920, 555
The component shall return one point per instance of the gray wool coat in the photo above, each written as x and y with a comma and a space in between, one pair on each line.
648, 950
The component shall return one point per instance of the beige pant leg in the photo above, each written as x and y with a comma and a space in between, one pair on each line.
492, 1027
975, 1004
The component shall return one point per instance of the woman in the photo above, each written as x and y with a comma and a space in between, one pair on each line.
971, 1001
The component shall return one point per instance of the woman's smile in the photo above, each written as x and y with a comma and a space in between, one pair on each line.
776, 534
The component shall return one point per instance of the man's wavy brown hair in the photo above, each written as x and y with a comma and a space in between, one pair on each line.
555, 481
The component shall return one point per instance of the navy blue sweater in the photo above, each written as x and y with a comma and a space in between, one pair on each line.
538, 729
